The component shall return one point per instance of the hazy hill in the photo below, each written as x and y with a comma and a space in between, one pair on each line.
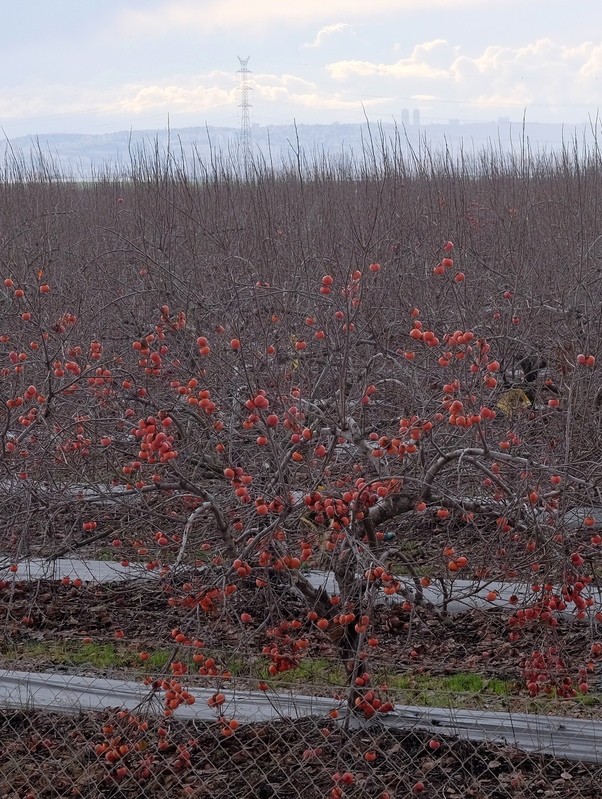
83, 155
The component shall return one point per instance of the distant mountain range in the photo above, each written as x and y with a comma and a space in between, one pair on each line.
84, 155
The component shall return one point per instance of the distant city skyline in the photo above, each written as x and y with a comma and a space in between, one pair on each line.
82, 156
99, 67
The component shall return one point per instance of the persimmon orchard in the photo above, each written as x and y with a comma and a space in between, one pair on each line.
302, 439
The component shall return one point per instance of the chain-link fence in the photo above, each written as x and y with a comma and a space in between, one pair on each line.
71, 735
119, 690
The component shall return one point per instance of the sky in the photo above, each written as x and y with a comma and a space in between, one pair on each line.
98, 66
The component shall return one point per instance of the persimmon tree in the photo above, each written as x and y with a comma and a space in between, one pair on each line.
263, 450
287, 448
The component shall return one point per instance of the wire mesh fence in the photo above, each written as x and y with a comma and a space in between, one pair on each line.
71, 735
119, 690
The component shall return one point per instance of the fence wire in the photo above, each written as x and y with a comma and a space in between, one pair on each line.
173, 738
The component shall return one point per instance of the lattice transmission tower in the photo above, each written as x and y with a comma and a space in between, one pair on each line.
244, 87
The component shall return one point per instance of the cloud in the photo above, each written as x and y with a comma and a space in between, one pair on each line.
427, 60
344, 70
180, 96
298, 92
202, 16
131, 99
326, 32
591, 67
541, 73
140, 99
443, 78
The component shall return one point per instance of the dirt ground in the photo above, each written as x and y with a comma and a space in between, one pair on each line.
138, 617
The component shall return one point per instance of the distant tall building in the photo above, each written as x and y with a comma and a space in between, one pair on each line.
405, 117
416, 117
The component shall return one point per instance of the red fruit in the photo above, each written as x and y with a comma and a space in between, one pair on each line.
418, 787
327, 280
235, 344
374, 268
216, 700
586, 360
448, 246
246, 618
434, 743
272, 420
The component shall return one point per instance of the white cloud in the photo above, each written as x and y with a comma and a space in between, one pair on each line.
205, 15
542, 72
184, 96
428, 60
326, 32
299, 92
592, 66
132, 99
343, 70
139, 99
434, 74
